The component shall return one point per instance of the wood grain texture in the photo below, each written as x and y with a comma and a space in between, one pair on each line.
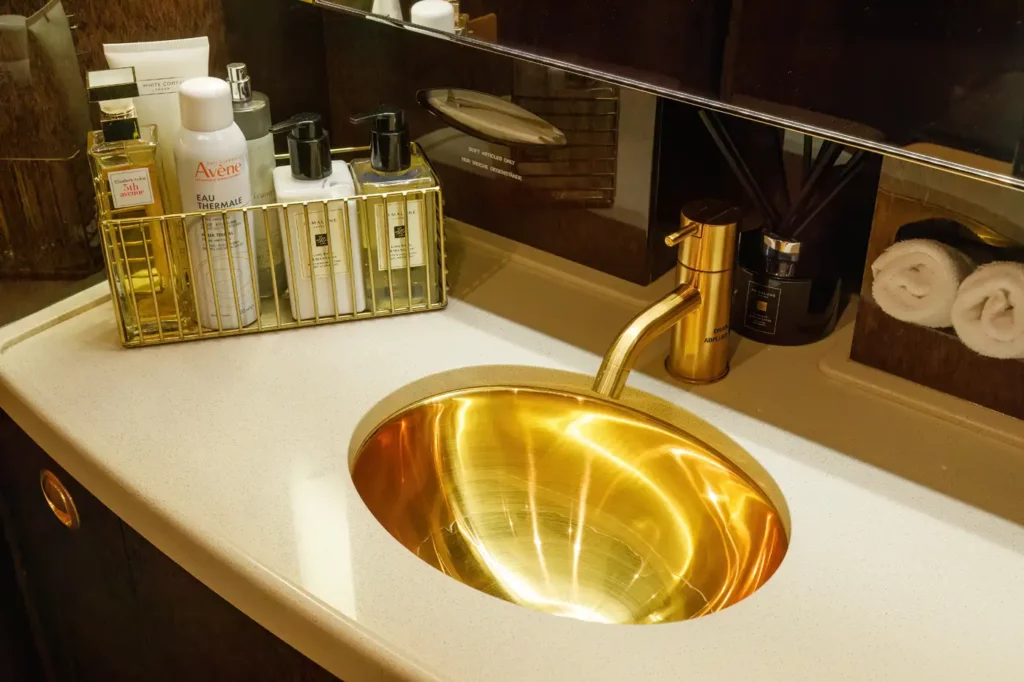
196, 635
77, 581
45, 205
936, 359
103, 21
19, 659
851, 62
46, 212
672, 44
909, 194
107, 606
282, 43
38, 118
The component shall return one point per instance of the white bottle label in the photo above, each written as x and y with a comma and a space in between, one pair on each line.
261, 178
130, 188
160, 86
400, 230
261, 169
316, 238
215, 185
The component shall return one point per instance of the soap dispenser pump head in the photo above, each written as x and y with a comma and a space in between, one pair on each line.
309, 149
390, 149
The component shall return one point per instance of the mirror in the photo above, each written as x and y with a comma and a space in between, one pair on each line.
941, 84
490, 118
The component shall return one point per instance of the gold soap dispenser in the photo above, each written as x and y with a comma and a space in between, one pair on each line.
400, 217
130, 185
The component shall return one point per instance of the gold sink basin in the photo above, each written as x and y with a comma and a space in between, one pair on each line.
569, 504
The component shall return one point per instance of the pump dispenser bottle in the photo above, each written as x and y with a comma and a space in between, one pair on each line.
324, 255
402, 234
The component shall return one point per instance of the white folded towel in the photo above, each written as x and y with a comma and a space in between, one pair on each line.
988, 314
916, 281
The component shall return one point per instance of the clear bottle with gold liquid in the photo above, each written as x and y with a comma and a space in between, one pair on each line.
407, 226
145, 256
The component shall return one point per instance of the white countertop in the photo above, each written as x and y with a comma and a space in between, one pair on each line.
232, 456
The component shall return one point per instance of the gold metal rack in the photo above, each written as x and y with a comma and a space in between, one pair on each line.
149, 259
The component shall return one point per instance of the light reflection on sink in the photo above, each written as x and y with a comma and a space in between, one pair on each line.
570, 504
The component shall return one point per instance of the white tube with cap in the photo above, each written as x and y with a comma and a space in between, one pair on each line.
436, 14
213, 174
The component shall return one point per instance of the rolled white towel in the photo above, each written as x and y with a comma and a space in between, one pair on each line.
916, 281
988, 314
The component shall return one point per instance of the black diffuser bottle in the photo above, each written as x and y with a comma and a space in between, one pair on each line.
787, 289
783, 293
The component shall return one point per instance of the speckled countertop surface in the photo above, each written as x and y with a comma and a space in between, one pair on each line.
232, 456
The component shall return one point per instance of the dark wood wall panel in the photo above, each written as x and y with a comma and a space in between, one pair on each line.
902, 70
282, 43
107, 21
672, 44
937, 359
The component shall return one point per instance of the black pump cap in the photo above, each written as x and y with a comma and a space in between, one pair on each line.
390, 150
309, 149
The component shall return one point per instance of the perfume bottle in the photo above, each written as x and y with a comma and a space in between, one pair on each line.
129, 184
402, 226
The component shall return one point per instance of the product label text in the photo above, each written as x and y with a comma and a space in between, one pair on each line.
130, 188
219, 170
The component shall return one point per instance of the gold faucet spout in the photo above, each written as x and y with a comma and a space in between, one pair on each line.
644, 328
699, 353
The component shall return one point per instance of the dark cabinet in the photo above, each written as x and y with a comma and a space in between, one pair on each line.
77, 581
18, 660
106, 605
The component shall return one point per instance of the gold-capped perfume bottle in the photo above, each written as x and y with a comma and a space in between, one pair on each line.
401, 237
143, 255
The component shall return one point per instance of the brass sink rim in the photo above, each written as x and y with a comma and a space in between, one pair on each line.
651, 406
443, 482
566, 393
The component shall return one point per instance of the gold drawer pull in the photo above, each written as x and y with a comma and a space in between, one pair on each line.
57, 496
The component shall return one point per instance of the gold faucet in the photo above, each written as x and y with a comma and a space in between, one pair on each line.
697, 310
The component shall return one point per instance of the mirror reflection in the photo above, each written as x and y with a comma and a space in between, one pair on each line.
937, 82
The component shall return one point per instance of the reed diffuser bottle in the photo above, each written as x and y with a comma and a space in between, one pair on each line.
129, 185
402, 237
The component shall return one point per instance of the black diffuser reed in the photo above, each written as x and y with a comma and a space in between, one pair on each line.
822, 180
787, 287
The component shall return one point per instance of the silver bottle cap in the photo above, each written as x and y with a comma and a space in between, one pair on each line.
777, 244
238, 79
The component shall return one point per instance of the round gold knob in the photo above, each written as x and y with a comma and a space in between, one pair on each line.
57, 496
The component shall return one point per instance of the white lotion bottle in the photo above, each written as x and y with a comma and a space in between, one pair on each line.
313, 251
213, 175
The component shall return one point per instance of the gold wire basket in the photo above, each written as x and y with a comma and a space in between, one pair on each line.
161, 296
